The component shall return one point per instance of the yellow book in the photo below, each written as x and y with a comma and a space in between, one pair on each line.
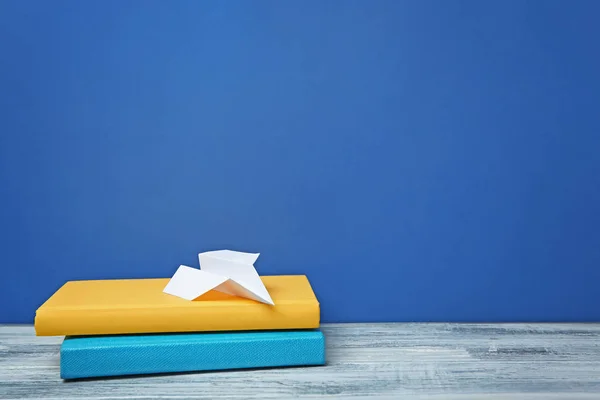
106, 307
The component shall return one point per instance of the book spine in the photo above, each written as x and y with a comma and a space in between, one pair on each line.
75, 322
181, 354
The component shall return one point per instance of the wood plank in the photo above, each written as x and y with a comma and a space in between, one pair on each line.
386, 361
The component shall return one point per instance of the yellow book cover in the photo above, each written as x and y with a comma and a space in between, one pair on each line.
123, 306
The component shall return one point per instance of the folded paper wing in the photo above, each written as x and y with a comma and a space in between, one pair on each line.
226, 271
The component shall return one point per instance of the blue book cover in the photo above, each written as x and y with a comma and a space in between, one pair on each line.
96, 356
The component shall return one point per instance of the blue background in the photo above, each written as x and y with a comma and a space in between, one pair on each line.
418, 160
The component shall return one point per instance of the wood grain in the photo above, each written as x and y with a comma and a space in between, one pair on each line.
384, 361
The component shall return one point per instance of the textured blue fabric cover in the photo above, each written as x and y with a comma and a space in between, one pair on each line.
94, 356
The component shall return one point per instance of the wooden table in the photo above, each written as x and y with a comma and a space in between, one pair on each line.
382, 361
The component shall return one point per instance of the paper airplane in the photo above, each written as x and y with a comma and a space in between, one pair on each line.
225, 271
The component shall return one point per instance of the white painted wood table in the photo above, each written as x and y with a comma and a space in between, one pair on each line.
375, 361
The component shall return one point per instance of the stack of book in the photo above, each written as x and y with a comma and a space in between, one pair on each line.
131, 327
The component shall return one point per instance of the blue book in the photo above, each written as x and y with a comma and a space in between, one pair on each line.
96, 356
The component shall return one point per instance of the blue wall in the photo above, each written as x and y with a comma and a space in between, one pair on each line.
434, 160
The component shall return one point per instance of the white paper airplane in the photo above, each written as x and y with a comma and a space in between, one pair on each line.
226, 271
